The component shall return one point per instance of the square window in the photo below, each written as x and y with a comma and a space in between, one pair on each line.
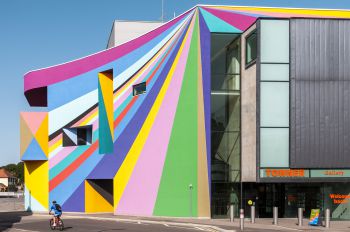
251, 48
77, 136
139, 89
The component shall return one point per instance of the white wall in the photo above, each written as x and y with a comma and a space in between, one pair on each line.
124, 31
4, 181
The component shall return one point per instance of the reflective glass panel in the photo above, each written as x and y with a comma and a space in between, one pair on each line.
274, 104
274, 147
274, 41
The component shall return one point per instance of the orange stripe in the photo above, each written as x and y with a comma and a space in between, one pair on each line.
72, 167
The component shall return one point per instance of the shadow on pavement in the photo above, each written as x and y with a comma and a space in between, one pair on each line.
7, 219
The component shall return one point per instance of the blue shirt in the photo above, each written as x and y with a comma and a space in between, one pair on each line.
53, 208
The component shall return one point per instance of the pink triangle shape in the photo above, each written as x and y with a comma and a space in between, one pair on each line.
33, 120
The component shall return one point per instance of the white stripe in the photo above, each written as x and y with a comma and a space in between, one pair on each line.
121, 78
64, 114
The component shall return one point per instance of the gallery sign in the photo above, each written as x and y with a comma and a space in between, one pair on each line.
284, 173
330, 173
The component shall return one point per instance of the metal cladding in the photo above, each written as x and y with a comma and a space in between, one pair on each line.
320, 97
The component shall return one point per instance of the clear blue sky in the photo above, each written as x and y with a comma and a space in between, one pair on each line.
39, 33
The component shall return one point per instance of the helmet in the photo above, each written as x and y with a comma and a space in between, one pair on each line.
54, 202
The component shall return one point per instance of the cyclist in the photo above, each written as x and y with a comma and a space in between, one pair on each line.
57, 212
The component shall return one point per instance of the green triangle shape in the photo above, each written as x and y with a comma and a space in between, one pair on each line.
215, 24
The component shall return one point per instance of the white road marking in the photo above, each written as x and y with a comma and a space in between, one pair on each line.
198, 228
287, 228
25, 230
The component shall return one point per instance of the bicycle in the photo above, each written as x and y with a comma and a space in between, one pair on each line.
59, 224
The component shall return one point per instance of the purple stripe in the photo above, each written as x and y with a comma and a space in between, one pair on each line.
206, 75
76, 202
110, 164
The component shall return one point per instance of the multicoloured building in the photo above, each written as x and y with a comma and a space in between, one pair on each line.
171, 122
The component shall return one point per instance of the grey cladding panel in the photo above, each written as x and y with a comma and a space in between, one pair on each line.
320, 93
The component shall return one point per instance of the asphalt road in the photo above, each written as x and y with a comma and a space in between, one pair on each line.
24, 222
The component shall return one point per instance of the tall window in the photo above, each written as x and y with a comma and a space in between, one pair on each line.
251, 48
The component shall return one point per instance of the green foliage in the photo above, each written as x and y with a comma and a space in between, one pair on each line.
17, 170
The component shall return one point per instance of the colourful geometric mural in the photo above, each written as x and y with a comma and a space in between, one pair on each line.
151, 151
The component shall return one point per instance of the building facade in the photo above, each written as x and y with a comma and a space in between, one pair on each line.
123, 31
172, 122
7, 180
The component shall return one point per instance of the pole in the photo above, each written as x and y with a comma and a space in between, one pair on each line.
191, 187
328, 218
162, 11
241, 218
231, 213
300, 216
252, 214
275, 215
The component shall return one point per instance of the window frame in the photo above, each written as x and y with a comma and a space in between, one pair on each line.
89, 130
137, 85
253, 61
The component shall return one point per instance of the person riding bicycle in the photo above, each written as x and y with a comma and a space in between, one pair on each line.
57, 212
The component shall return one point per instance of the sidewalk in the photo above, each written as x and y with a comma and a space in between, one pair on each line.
284, 224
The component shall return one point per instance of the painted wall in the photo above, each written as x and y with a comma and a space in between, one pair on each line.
160, 164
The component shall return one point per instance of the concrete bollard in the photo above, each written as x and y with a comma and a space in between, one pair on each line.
232, 216
300, 216
327, 218
252, 214
241, 218
275, 215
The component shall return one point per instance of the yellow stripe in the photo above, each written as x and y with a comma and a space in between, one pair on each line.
88, 119
122, 177
106, 85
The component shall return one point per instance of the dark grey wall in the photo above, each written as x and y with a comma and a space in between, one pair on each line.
320, 93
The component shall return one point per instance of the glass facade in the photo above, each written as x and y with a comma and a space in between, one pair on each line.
288, 197
274, 106
274, 93
225, 122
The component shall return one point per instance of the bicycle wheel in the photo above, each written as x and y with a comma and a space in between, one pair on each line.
51, 224
60, 225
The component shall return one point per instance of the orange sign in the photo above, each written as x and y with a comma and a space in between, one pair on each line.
284, 172
339, 198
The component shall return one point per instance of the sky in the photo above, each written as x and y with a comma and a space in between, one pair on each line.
40, 33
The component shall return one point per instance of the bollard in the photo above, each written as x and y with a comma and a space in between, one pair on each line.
300, 216
275, 215
327, 218
241, 218
232, 216
252, 214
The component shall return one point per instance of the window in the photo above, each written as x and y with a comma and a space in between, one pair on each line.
139, 89
77, 136
251, 48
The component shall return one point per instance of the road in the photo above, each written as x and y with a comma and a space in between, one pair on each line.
25, 222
